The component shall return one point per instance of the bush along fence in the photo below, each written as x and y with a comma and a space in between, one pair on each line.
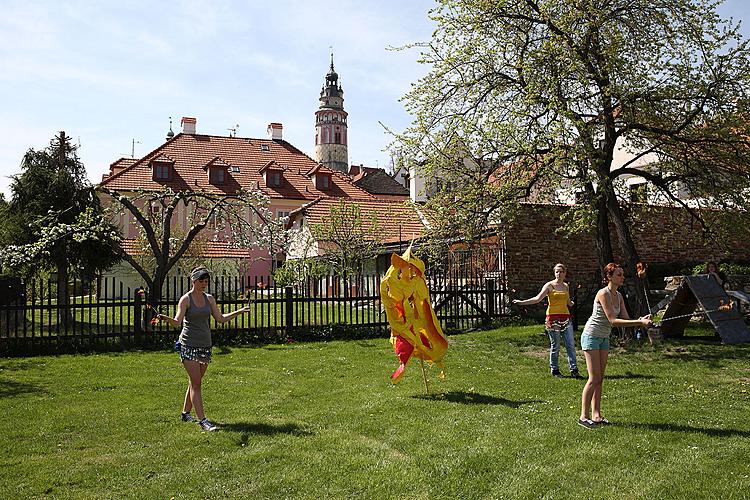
106, 315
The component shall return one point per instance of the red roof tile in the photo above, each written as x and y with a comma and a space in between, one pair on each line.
400, 220
191, 152
210, 249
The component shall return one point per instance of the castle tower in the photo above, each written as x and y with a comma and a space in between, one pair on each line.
330, 125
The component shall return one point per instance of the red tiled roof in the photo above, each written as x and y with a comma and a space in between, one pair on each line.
119, 165
210, 249
399, 220
191, 152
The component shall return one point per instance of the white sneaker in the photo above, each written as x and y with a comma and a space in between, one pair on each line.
207, 426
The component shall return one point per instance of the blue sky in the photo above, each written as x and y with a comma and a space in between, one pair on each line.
111, 72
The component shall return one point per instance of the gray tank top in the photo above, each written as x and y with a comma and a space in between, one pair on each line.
196, 331
598, 325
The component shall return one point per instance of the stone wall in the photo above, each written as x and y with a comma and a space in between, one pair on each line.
661, 234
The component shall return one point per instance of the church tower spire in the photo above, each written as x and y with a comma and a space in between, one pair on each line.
330, 125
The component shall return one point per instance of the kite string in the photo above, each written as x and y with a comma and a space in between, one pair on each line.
722, 307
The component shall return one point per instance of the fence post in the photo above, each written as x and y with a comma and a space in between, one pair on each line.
138, 317
490, 300
288, 311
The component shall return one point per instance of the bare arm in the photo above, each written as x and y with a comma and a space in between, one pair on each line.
536, 299
223, 318
604, 299
182, 307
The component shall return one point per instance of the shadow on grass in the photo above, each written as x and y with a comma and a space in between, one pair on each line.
223, 349
246, 430
9, 388
689, 429
472, 398
629, 375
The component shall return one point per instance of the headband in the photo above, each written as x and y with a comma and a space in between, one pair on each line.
199, 274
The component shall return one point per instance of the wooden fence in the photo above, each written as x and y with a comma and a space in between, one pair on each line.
33, 322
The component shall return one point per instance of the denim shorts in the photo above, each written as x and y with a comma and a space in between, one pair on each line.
591, 343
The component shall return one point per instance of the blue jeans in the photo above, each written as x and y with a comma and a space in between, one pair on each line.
554, 348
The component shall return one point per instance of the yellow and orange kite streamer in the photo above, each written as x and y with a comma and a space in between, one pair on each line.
415, 330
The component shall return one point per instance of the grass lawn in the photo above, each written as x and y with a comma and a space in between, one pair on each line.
322, 420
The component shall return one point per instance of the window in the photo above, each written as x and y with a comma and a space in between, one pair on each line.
638, 192
161, 171
337, 138
217, 175
264, 147
407, 180
282, 213
235, 169
155, 210
323, 182
217, 220
273, 178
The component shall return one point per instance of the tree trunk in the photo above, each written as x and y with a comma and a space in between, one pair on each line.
603, 239
629, 251
64, 316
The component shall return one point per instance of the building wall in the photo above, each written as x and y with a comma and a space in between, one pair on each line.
663, 235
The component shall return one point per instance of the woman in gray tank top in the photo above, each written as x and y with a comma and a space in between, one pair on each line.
609, 311
194, 311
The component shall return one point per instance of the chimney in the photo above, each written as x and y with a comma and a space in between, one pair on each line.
274, 131
188, 125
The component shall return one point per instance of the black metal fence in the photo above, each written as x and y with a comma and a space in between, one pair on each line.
36, 319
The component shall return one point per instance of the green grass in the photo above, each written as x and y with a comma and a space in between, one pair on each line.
321, 420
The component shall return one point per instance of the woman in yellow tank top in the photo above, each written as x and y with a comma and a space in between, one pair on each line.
558, 320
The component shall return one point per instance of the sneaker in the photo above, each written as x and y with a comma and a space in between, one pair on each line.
576, 375
186, 417
207, 426
556, 373
587, 423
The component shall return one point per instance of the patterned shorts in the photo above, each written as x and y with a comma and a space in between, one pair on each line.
200, 354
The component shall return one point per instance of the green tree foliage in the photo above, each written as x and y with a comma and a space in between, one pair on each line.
527, 97
54, 219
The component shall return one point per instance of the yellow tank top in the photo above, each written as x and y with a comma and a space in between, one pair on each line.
558, 302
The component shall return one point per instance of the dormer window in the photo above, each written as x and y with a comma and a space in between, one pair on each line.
161, 168
217, 175
323, 181
161, 171
218, 171
273, 173
273, 178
